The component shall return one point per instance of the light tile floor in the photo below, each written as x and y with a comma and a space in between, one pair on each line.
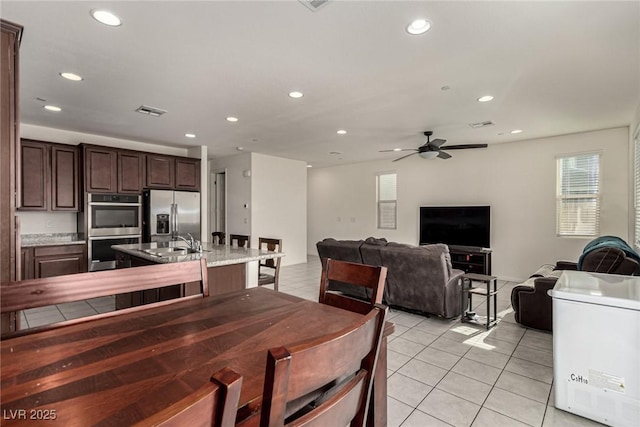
440, 372
444, 373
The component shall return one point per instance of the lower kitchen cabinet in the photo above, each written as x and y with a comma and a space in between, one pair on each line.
48, 261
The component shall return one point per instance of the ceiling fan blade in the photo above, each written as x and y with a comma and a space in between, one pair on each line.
402, 149
464, 146
438, 142
444, 155
404, 157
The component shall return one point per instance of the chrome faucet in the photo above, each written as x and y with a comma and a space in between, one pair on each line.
192, 243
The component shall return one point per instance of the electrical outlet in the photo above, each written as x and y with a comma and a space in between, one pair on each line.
49, 224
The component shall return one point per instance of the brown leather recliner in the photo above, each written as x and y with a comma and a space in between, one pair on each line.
533, 306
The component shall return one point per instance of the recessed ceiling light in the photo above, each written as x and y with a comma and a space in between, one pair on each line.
485, 98
296, 94
71, 76
239, 148
309, 166
341, 132
232, 119
106, 18
419, 26
190, 135
516, 131
445, 88
397, 149
52, 108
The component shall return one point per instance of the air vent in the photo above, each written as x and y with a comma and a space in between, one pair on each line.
481, 124
314, 5
145, 109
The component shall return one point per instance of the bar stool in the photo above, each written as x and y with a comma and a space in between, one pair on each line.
217, 238
273, 265
240, 240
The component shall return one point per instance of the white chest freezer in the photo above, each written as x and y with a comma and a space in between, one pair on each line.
596, 346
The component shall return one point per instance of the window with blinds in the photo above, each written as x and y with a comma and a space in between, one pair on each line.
636, 168
387, 203
578, 195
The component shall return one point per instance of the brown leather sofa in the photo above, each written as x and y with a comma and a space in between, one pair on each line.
419, 278
530, 301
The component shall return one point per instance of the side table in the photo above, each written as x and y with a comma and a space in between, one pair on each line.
487, 292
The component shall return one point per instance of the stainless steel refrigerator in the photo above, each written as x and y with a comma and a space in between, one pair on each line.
169, 214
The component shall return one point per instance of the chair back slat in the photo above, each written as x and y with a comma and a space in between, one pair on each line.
325, 366
33, 293
370, 277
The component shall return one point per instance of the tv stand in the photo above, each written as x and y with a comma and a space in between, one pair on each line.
471, 259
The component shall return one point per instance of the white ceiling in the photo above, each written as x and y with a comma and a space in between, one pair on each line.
553, 68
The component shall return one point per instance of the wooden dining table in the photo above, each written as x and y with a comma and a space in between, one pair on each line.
119, 370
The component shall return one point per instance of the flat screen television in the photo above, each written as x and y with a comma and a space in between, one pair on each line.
455, 225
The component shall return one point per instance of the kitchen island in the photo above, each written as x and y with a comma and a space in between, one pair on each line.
229, 269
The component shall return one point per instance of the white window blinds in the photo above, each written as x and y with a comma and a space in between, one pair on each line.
387, 209
636, 168
578, 195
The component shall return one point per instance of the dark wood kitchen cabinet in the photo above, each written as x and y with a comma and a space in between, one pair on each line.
111, 170
160, 171
187, 174
49, 176
26, 263
100, 169
65, 183
56, 260
173, 173
34, 174
130, 172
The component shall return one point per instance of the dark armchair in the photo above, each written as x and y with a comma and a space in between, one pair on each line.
608, 254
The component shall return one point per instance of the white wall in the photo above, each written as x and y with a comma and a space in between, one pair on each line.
279, 204
518, 181
65, 222
238, 191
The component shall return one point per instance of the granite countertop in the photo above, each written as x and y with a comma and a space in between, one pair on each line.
51, 239
216, 255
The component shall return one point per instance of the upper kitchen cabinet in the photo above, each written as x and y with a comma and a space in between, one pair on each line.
49, 176
65, 183
187, 174
34, 175
130, 172
161, 171
173, 173
111, 170
100, 169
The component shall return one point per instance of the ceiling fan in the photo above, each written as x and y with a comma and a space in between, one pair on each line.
433, 149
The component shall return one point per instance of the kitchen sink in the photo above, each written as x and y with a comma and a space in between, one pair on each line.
173, 251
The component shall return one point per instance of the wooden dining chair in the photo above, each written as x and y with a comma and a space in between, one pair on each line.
217, 238
240, 240
33, 293
269, 269
213, 405
370, 277
340, 366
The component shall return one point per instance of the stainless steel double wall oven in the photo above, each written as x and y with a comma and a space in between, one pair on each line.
112, 219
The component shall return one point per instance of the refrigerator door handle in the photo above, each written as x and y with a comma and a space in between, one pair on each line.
174, 207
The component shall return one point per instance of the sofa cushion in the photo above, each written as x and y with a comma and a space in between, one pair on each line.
343, 250
416, 276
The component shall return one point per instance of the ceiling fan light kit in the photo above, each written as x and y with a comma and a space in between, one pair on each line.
428, 154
